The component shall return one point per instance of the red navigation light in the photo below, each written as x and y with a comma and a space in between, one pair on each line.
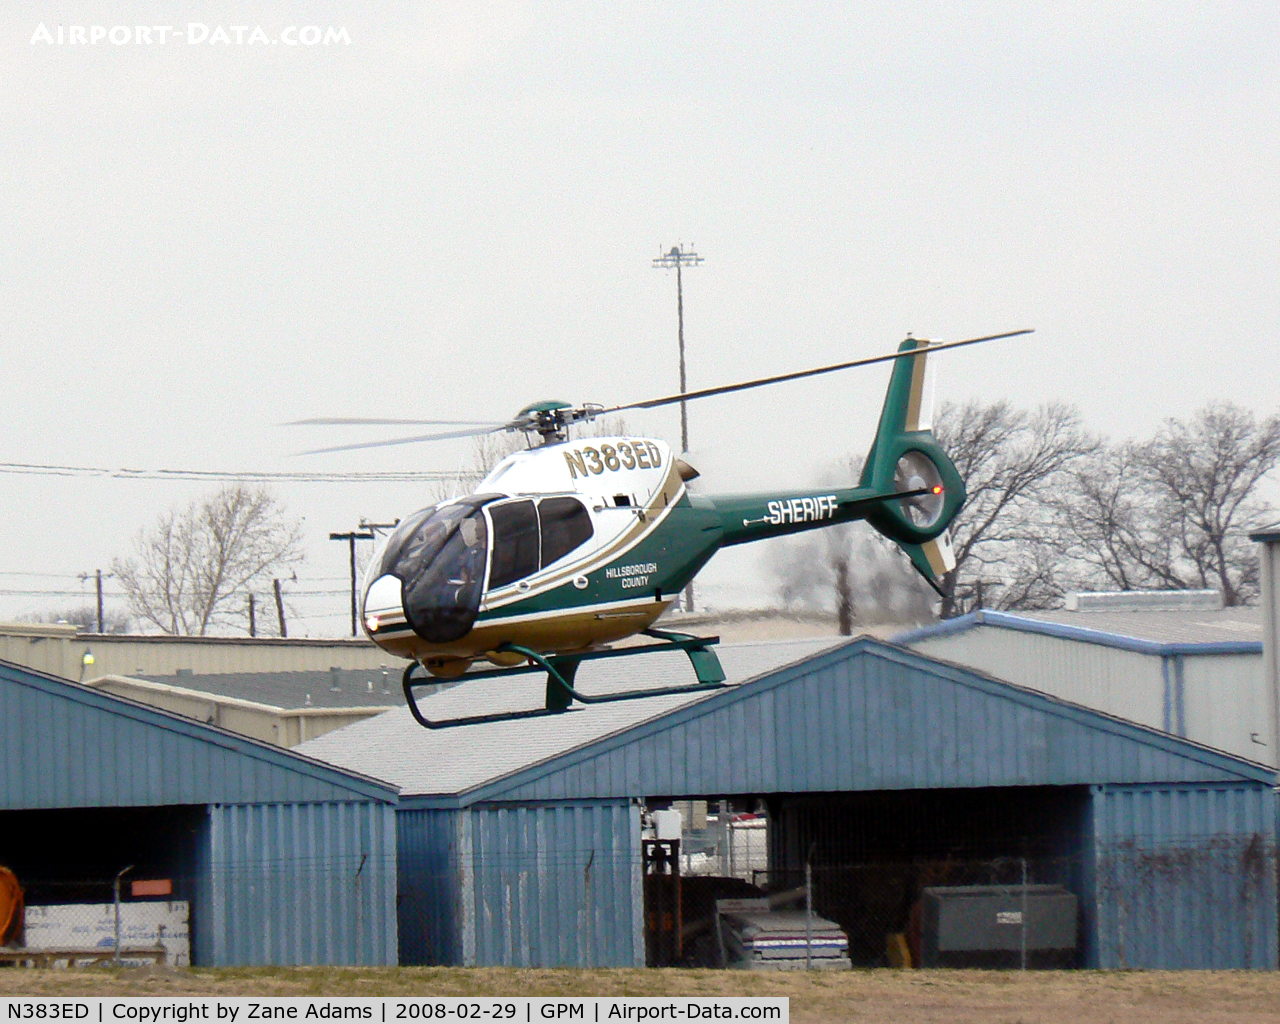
937, 488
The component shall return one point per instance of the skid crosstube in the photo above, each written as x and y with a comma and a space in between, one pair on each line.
561, 669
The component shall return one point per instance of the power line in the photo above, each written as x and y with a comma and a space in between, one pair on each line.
116, 594
53, 593
248, 476
52, 575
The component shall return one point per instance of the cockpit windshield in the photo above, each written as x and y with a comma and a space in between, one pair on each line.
439, 557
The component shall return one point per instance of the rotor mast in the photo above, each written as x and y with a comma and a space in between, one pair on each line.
551, 420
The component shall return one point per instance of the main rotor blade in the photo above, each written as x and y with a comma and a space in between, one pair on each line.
653, 403
358, 421
474, 432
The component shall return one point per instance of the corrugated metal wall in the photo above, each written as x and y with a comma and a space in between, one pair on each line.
1219, 700
558, 885
62, 655
436, 912
1185, 876
307, 883
551, 885
1118, 682
1225, 704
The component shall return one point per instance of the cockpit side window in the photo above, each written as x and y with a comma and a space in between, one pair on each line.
515, 542
565, 526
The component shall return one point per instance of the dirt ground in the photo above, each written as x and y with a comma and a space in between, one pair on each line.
910, 997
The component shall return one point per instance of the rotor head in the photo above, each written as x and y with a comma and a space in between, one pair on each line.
551, 419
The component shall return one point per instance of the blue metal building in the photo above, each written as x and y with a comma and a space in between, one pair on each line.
284, 860
1194, 673
519, 843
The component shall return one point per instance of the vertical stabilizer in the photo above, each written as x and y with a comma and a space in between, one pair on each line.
906, 458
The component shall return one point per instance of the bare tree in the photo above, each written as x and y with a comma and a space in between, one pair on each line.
1008, 538
1108, 512
853, 569
865, 577
1051, 508
191, 571
1173, 512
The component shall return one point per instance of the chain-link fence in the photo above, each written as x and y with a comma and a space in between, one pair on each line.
85, 922
955, 913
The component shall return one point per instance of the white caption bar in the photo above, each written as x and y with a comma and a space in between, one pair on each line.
238, 1010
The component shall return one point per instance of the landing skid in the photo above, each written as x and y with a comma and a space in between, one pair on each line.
561, 669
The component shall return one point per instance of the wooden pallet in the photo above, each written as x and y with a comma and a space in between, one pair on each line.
23, 956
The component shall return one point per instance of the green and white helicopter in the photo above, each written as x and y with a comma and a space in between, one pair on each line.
573, 545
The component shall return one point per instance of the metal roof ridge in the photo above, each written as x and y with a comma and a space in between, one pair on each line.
959, 674
155, 686
282, 757
461, 797
526, 773
1085, 634
944, 627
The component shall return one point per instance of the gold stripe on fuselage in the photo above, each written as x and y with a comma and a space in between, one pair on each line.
561, 630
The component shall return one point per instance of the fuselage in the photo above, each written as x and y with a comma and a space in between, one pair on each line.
562, 548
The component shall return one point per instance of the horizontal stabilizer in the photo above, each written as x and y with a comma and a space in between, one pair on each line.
932, 559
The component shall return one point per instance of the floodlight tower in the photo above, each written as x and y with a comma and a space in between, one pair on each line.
677, 257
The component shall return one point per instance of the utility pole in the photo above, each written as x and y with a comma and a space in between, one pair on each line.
98, 578
253, 619
351, 539
377, 528
677, 257
280, 607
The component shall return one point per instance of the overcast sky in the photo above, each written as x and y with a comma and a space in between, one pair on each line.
455, 213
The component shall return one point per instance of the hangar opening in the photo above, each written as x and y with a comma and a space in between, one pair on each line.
877, 860
67, 862
874, 863
74, 855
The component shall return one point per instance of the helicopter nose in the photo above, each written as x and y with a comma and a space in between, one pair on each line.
383, 606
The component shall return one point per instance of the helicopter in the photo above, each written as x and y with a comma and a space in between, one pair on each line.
571, 546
